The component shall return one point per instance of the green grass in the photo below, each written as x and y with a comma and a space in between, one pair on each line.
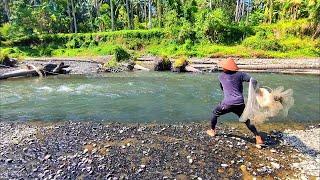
292, 47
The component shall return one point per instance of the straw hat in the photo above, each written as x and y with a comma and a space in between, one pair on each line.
229, 64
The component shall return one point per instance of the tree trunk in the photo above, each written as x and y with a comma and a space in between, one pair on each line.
237, 12
270, 11
242, 10
112, 15
74, 17
210, 4
145, 12
150, 23
6, 9
316, 33
69, 14
159, 12
128, 14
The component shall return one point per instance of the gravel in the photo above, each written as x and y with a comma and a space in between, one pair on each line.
92, 150
307, 143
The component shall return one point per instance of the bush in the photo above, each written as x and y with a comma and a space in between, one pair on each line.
215, 26
5, 30
87, 39
263, 41
186, 32
181, 61
120, 54
111, 63
3, 56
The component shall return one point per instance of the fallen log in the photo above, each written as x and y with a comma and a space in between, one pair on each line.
138, 67
189, 68
279, 66
20, 73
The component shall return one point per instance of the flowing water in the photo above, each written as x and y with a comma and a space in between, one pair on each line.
140, 97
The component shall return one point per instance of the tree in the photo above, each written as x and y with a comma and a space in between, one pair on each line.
150, 13
73, 11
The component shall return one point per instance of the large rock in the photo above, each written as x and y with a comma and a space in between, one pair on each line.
9, 62
163, 64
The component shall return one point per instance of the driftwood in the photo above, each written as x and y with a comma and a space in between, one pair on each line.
138, 67
19, 73
191, 69
279, 66
49, 69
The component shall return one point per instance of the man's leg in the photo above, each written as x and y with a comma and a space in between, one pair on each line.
218, 111
239, 110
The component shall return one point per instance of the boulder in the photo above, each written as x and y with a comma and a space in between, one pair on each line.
9, 62
162, 64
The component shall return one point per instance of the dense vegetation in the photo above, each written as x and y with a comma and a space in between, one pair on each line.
246, 28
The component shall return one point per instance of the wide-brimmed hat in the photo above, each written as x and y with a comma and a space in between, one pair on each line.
229, 64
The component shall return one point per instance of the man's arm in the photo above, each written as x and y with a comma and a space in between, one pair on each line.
246, 77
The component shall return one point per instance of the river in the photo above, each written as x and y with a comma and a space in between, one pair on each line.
140, 97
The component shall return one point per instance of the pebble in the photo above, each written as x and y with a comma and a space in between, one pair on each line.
9, 160
273, 150
48, 156
275, 165
224, 165
85, 151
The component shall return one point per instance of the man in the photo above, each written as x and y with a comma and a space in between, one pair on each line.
231, 84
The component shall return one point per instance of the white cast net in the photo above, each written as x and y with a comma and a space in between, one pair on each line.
263, 103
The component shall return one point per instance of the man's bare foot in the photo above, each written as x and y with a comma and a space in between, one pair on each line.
211, 132
259, 140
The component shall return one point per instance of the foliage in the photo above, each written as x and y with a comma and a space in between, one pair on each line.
180, 62
3, 56
259, 28
120, 54
113, 63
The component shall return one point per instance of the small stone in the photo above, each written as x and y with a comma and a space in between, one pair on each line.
224, 165
142, 166
273, 150
190, 161
275, 165
9, 160
48, 156
85, 151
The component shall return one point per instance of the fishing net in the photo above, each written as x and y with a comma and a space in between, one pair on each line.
264, 103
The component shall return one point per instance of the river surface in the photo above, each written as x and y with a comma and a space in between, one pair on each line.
140, 97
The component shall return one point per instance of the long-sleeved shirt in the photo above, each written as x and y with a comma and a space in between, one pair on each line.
231, 84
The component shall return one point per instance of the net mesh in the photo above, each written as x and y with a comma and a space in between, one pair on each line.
263, 103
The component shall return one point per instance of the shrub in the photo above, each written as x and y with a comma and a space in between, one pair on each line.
5, 30
181, 61
120, 54
263, 41
186, 32
113, 63
3, 56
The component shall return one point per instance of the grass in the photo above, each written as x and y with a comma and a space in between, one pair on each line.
293, 48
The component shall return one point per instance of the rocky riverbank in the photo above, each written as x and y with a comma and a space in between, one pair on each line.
76, 66
69, 150
93, 65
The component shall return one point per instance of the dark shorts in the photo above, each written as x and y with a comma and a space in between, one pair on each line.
222, 109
